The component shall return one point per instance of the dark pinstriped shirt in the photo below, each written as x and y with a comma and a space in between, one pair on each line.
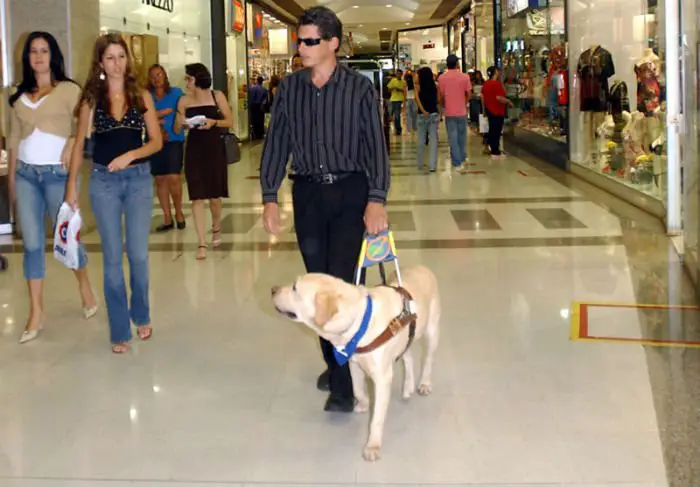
333, 129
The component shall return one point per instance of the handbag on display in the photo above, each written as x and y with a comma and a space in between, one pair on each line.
232, 149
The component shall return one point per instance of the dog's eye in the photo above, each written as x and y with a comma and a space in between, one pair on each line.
294, 287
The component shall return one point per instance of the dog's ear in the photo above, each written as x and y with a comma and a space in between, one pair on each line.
326, 304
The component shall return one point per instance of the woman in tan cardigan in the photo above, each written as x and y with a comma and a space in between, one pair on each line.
40, 143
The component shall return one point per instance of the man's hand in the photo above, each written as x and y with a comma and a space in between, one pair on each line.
376, 219
271, 218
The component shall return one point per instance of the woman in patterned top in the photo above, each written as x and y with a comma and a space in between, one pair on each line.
120, 185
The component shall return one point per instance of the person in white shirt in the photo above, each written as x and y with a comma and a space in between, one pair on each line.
40, 143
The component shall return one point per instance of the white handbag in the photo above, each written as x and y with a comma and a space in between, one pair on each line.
483, 124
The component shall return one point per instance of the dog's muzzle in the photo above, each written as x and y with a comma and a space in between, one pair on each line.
288, 314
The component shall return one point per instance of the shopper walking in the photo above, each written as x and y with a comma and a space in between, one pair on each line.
397, 87
40, 143
455, 88
341, 169
427, 99
411, 107
495, 103
121, 187
206, 170
166, 165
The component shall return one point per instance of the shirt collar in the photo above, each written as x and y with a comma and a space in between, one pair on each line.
339, 74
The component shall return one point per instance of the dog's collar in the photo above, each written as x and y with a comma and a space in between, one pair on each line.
344, 352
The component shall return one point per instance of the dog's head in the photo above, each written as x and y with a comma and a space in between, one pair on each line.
325, 304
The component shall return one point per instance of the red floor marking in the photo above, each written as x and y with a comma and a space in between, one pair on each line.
583, 330
474, 172
522, 173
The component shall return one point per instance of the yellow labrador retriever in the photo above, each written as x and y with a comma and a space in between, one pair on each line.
354, 318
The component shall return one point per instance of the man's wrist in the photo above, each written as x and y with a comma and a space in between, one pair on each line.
269, 198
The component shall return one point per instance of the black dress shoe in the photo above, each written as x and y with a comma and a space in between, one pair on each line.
337, 404
181, 225
324, 381
165, 228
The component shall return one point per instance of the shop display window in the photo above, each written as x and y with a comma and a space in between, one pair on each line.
534, 68
618, 100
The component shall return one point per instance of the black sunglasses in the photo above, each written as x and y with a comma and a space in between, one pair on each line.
309, 41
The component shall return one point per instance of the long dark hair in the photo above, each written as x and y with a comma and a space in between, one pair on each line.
409, 80
96, 91
426, 81
56, 65
150, 86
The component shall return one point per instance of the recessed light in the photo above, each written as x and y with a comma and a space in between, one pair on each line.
388, 6
355, 6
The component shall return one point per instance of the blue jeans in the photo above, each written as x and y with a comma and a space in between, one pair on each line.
396, 108
411, 115
127, 194
457, 138
40, 191
428, 126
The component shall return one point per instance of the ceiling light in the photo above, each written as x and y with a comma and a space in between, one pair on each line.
388, 6
355, 6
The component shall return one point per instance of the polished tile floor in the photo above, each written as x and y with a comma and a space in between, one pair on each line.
225, 393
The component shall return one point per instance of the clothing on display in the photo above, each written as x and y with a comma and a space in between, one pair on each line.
595, 67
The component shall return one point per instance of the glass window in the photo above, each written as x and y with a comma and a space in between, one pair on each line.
534, 67
618, 93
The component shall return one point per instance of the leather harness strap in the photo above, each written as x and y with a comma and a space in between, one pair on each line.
396, 325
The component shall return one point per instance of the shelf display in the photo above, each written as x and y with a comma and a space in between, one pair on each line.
535, 72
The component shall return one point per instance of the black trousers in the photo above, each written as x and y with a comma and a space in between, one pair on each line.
329, 223
257, 120
494, 136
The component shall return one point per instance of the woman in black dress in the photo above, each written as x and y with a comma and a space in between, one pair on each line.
205, 113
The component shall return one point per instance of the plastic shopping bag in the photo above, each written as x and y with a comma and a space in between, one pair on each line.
66, 238
483, 124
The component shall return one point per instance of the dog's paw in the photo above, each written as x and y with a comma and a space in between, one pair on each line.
361, 407
425, 389
408, 392
371, 453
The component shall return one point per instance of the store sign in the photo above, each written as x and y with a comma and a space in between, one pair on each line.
429, 46
166, 5
238, 15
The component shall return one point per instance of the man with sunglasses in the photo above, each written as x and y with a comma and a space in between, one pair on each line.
328, 118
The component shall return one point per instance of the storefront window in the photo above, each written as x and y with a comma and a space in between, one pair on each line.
422, 47
271, 44
236, 66
157, 35
534, 66
618, 92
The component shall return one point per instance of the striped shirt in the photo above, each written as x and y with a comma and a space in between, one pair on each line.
333, 129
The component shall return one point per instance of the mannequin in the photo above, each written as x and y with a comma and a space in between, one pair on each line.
595, 67
649, 95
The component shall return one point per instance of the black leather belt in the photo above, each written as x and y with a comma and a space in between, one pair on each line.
330, 178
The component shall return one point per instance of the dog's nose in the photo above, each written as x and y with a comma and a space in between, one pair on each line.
275, 290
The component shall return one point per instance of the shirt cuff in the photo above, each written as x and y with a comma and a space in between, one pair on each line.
377, 195
269, 197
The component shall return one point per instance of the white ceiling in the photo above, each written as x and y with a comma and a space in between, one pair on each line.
366, 18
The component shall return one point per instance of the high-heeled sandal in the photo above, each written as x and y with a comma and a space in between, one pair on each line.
215, 237
144, 332
120, 348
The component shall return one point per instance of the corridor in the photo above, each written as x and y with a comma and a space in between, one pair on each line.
547, 374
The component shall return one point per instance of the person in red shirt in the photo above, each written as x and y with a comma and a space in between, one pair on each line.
495, 102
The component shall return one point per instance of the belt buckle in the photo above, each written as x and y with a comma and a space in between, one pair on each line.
327, 179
